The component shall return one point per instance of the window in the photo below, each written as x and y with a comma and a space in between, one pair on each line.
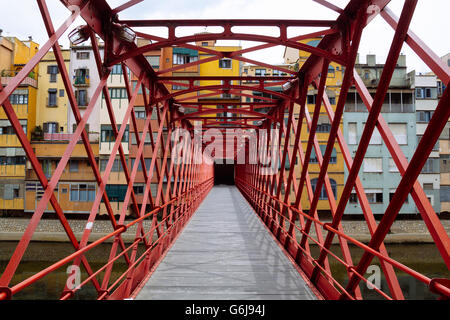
435, 147
399, 132
391, 195
225, 63
419, 93
287, 164
13, 160
19, 96
424, 116
81, 76
153, 61
333, 158
118, 93
147, 138
392, 166
86, 127
117, 165
374, 195
352, 133
116, 192
260, 72
139, 112
427, 186
73, 166
10, 191
61, 93
428, 93
376, 137
353, 198
116, 69
139, 189
47, 168
323, 193
53, 72
107, 134
373, 165
51, 98
81, 96
51, 127
431, 166
179, 86
204, 44
323, 127
183, 58
82, 192
332, 100
311, 99
7, 130
83, 55
148, 162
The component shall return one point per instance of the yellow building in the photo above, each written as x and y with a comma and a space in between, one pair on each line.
52, 102
336, 165
23, 100
223, 67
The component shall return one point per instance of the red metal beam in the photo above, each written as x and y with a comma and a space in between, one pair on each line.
431, 59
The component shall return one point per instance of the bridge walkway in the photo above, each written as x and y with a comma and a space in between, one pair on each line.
225, 252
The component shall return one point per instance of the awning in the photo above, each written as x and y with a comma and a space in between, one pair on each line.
186, 51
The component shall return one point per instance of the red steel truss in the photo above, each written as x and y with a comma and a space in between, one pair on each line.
270, 195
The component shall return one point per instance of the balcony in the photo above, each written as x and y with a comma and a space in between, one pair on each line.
59, 137
12, 171
7, 75
81, 81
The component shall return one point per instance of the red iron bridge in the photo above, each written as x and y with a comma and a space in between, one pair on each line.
250, 240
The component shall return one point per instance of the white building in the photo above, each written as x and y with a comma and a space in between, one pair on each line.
119, 101
426, 96
85, 79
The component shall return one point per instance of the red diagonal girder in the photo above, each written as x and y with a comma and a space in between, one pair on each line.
383, 86
389, 272
6, 277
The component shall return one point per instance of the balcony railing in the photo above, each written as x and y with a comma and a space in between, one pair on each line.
59, 137
7, 75
93, 137
13, 73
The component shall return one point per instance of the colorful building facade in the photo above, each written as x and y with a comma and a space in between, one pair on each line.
52, 102
426, 100
14, 55
379, 174
296, 58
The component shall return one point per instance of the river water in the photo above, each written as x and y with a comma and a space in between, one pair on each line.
423, 258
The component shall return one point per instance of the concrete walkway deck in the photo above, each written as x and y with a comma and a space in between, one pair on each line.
225, 253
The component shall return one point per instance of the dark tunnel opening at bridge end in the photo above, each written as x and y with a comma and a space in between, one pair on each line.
223, 174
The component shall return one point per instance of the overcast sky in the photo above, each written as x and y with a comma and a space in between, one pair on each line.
430, 22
